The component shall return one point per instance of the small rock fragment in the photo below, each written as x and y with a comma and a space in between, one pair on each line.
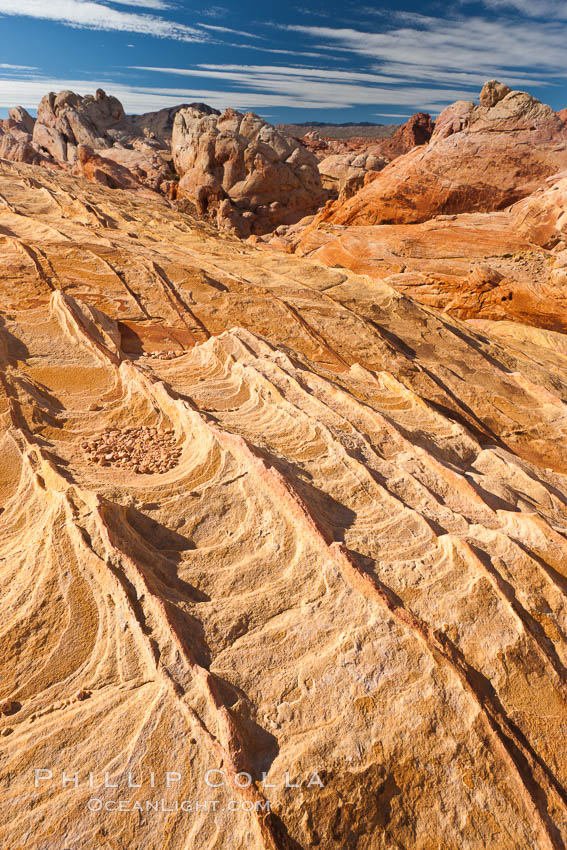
82, 695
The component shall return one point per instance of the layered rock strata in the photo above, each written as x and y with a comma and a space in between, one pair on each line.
356, 569
479, 158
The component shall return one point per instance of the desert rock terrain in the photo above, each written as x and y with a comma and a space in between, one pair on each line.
264, 516
479, 158
472, 222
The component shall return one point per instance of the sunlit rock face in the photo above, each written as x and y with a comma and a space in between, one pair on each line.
344, 174
271, 519
416, 131
442, 224
507, 265
92, 136
479, 158
16, 137
243, 171
66, 120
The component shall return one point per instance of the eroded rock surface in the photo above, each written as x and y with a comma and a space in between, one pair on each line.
416, 131
356, 565
242, 171
479, 158
479, 265
16, 143
345, 173
93, 137
67, 120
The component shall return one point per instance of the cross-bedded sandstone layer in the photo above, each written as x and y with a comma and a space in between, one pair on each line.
357, 565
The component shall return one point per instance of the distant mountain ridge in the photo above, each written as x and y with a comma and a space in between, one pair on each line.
341, 131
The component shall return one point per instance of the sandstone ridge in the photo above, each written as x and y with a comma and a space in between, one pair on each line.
479, 158
341, 547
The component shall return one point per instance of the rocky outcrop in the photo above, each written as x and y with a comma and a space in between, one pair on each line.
479, 158
509, 265
22, 119
322, 546
104, 170
542, 216
159, 125
16, 145
345, 173
242, 172
16, 142
84, 131
472, 266
151, 168
66, 120
493, 92
416, 131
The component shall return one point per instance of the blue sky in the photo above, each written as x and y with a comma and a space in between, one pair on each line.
329, 61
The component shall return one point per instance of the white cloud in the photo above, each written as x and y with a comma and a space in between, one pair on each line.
545, 9
454, 49
136, 99
144, 4
214, 11
264, 71
275, 93
256, 47
228, 29
5, 66
336, 89
91, 15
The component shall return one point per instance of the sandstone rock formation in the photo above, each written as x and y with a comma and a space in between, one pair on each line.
16, 137
355, 566
316, 144
490, 266
242, 171
21, 118
416, 131
66, 120
479, 158
15, 145
542, 216
159, 125
345, 173
105, 170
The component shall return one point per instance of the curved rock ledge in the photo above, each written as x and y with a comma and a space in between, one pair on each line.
357, 566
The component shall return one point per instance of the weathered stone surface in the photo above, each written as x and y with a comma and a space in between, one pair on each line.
480, 158
104, 170
416, 131
66, 120
243, 160
345, 173
493, 92
76, 130
149, 167
356, 565
506, 265
16, 139
159, 125
542, 216
16, 146
22, 118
